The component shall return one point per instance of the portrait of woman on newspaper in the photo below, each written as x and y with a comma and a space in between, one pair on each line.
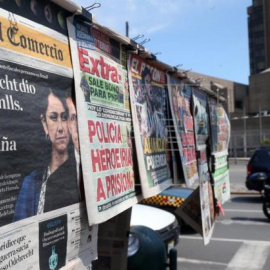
54, 185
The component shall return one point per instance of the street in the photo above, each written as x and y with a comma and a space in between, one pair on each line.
241, 239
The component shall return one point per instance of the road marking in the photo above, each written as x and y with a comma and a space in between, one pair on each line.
242, 222
183, 260
267, 243
242, 211
250, 256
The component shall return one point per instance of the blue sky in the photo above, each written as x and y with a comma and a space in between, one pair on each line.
207, 36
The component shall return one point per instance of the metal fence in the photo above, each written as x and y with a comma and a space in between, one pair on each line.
243, 143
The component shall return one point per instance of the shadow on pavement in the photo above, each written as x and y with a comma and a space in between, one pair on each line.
248, 199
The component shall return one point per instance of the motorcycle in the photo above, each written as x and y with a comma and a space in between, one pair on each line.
266, 200
259, 181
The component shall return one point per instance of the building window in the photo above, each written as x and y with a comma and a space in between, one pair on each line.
238, 104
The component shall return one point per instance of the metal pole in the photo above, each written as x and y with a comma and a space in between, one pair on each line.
245, 133
127, 29
260, 123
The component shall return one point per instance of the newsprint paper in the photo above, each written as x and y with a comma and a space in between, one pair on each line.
149, 110
44, 223
104, 121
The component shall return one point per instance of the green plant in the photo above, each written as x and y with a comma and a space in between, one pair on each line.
265, 142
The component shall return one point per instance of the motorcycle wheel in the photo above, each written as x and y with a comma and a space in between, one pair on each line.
266, 208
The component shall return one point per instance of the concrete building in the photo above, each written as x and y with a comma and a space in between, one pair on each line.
259, 35
259, 54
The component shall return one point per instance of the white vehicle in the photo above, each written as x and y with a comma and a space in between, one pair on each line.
161, 221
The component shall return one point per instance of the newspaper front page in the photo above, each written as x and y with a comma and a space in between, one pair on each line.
220, 137
180, 95
40, 205
104, 120
149, 114
200, 113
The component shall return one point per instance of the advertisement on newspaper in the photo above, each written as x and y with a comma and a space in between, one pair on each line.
200, 118
180, 98
104, 122
220, 136
149, 111
53, 240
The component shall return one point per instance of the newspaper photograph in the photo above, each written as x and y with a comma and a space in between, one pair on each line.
180, 99
200, 118
104, 122
149, 114
49, 241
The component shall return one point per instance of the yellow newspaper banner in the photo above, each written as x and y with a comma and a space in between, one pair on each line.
28, 41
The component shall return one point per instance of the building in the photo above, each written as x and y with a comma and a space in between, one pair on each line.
259, 35
259, 55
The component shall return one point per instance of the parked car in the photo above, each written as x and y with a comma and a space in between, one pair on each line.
169, 200
163, 222
258, 163
154, 233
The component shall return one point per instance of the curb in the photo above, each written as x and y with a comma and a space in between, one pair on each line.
245, 192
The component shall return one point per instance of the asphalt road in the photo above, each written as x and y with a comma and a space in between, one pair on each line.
238, 172
241, 239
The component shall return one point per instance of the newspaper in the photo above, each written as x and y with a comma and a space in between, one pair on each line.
220, 136
206, 199
104, 121
190, 211
198, 210
49, 241
180, 99
149, 115
40, 187
200, 113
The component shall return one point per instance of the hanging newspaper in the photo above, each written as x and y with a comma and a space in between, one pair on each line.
206, 199
190, 211
104, 122
180, 99
200, 114
220, 136
40, 208
149, 111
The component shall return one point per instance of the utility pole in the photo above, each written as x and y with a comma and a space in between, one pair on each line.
127, 29
260, 123
245, 132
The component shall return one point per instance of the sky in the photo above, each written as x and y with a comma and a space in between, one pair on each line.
206, 36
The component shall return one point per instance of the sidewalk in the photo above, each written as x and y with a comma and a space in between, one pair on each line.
241, 189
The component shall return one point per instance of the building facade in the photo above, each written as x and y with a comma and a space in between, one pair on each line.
259, 35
